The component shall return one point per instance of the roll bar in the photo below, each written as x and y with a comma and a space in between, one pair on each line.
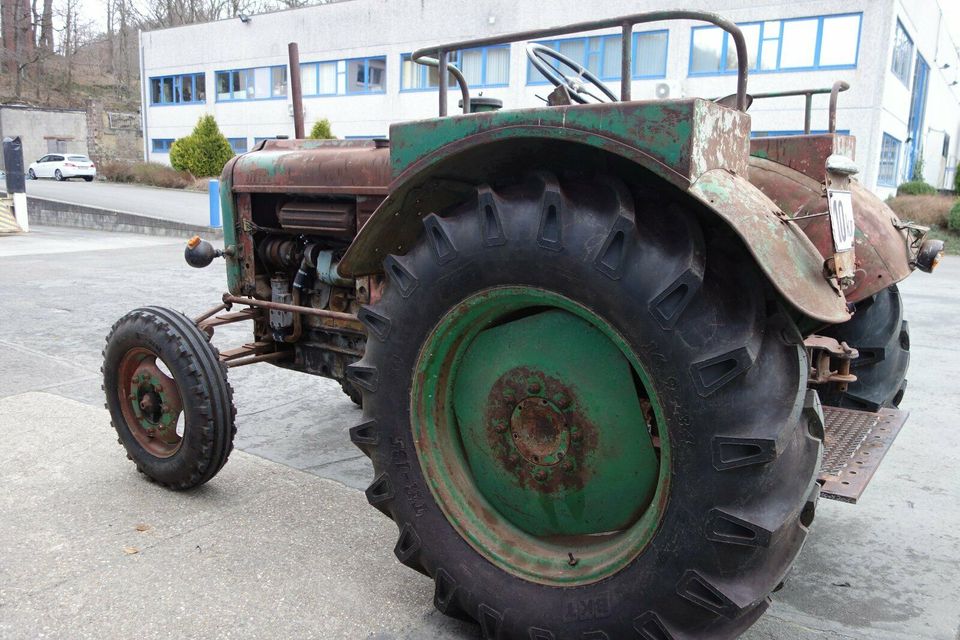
438, 56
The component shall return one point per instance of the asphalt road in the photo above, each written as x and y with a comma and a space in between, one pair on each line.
282, 542
191, 207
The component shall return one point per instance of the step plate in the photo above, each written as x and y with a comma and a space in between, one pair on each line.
854, 444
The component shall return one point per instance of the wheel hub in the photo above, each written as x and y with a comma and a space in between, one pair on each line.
153, 403
539, 431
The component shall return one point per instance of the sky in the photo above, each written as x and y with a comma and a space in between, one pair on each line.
95, 11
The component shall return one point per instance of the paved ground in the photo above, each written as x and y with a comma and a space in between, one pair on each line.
190, 207
266, 550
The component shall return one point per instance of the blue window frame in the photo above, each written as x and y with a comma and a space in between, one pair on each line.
482, 67
889, 161
256, 83
187, 88
342, 77
161, 145
794, 44
902, 54
602, 55
239, 145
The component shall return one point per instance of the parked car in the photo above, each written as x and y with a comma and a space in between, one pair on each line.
63, 167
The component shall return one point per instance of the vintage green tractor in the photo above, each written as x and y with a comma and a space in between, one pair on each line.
591, 342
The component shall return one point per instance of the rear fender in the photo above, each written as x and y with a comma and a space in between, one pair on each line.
784, 254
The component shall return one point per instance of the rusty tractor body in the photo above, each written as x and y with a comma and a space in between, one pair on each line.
602, 349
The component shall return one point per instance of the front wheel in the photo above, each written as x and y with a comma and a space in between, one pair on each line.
168, 397
588, 418
32, 174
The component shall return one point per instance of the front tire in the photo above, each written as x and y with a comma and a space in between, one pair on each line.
582, 319
32, 174
168, 397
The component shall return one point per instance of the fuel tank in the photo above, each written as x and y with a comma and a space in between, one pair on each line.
315, 167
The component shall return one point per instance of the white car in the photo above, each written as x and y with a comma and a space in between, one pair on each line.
62, 167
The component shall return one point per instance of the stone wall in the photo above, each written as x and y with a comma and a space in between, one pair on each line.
113, 135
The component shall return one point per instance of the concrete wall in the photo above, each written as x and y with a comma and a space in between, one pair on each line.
37, 126
392, 27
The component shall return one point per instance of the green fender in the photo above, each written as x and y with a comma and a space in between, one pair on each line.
449, 173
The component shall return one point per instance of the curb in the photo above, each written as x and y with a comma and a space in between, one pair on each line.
44, 211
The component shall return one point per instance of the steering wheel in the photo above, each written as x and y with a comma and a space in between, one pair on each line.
538, 54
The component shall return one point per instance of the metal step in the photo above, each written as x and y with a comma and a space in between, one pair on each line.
854, 445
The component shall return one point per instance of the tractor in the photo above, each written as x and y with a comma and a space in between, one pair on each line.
609, 352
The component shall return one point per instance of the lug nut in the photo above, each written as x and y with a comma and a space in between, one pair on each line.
568, 466
576, 436
534, 387
561, 400
540, 475
513, 458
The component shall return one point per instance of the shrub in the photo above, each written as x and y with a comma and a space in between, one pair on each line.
321, 130
916, 188
204, 152
148, 173
953, 222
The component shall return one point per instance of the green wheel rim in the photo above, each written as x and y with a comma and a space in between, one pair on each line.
540, 436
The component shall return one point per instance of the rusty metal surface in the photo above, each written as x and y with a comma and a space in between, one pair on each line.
790, 261
821, 351
335, 167
539, 434
882, 247
854, 445
293, 53
295, 309
807, 154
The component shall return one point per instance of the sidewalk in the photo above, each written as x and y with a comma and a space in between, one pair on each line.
264, 551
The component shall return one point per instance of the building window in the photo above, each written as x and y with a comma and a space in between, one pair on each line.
602, 55
650, 54
481, 67
260, 83
161, 145
339, 77
796, 44
366, 75
902, 54
239, 145
190, 88
889, 161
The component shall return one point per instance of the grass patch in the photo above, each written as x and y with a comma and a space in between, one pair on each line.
931, 211
151, 174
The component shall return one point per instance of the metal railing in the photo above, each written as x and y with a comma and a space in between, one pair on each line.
837, 87
438, 56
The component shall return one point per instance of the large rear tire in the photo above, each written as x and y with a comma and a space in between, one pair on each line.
168, 397
505, 365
